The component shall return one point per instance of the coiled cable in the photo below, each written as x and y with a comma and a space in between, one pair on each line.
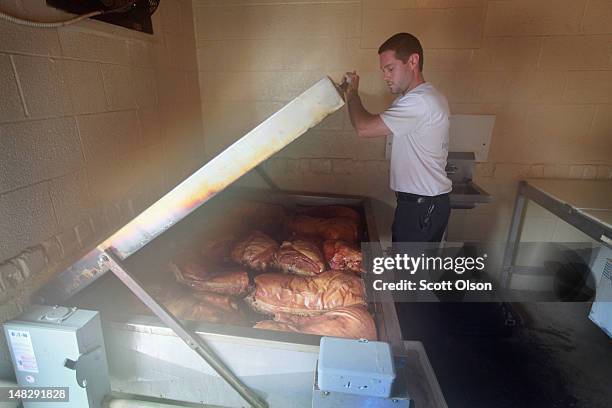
39, 24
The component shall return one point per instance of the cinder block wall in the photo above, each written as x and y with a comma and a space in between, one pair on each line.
96, 122
544, 68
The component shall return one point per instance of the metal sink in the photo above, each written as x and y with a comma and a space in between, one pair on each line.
466, 195
460, 169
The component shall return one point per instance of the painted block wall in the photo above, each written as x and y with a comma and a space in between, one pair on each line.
96, 123
543, 68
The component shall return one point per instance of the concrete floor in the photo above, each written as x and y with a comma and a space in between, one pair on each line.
556, 358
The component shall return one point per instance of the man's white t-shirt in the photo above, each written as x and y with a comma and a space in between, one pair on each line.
419, 121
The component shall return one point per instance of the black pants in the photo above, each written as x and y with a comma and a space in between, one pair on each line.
419, 218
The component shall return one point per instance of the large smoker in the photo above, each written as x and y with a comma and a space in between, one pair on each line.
145, 356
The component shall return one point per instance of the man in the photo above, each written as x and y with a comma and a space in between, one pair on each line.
418, 119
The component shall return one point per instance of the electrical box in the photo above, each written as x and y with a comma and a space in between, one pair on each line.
358, 367
601, 310
60, 347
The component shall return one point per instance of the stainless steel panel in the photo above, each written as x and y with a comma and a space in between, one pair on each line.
148, 359
467, 195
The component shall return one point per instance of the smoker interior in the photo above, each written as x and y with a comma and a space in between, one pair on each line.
150, 265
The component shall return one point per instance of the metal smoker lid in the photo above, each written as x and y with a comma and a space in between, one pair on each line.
269, 137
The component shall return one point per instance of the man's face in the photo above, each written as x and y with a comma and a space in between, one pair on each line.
397, 74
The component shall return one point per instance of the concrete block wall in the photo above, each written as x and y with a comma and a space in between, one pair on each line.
96, 123
543, 68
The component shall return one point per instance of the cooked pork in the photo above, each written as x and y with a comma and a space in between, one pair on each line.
342, 255
188, 305
300, 257
280, 293
323, 228
200, 275
217, 251
256, 251
351, 322
222, 302
331, 211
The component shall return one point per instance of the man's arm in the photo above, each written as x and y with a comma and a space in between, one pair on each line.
365, 123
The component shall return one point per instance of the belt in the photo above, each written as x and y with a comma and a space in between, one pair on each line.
415, 198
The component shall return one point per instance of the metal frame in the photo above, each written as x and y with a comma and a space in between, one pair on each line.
590, 226
112, 262
264, 175
385, 303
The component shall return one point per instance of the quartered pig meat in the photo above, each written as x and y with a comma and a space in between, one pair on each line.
281, 293
188, 305
338, 228
256, 251
351, 322
203, 275
300, 257
342, 255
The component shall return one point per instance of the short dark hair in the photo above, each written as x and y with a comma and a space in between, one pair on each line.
404, 45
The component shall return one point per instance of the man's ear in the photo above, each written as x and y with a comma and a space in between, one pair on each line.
413, 60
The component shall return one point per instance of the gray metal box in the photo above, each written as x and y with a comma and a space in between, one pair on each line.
60, 347
359, 367
601, 310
